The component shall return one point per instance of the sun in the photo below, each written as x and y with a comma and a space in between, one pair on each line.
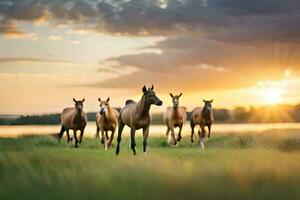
272, 96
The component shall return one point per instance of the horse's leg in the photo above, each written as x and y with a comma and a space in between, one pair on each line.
209, 130
81, 135
201, 134
68, 136
132, 136
107, 136
111, 137
168, 131
145, 139
97, 132
173, 136
179, 133
120, 130
104, 139
61, 133
193, 130
76, 140
102, 136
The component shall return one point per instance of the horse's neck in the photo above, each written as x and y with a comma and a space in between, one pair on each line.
78, 115
175, 111
108, 113
207, 112
143, 108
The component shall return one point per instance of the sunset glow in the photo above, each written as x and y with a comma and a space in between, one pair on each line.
272, 96
111, 48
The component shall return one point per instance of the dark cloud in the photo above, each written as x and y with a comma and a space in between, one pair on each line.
191, 62
7, 27
213, 18
222, 43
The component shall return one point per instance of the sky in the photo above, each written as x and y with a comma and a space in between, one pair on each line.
237, 52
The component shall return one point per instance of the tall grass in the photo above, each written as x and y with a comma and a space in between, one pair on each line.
231, 167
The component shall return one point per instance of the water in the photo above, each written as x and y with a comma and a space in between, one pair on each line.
155, 130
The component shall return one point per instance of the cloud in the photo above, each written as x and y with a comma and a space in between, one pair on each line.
33, 60
208, 43
55, 37
218, 19
190, 62
9, 30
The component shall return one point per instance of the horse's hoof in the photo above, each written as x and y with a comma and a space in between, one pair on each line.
76, 146
192, 141
201, 145
178, 139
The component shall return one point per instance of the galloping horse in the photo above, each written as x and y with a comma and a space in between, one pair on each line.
203, 117
137, 116
74, 119
106, 120
175, 117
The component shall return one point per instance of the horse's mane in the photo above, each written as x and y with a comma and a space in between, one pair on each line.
129, 101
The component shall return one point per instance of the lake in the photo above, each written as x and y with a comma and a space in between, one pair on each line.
156, 130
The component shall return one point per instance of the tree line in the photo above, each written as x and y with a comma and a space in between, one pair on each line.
263, 114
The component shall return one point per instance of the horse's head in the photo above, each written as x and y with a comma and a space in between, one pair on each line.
150, 96
103, 105
207, 104
175, 99
78, 104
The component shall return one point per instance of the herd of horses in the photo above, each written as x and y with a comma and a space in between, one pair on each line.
136, 115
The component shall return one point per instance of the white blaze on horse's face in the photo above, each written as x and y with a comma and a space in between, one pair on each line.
175, 102
103, 108
175, 99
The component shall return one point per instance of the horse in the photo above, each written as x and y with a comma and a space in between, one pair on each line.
106, 120
203, 117
136, 115
74, 119
175, 117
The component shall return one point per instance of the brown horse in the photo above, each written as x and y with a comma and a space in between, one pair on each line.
175, 117
106, 120
203, 117
137, 116
74, 119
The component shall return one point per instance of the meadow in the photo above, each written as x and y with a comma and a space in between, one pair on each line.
239, 165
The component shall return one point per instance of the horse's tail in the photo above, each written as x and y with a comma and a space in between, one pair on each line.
60, 134
129, 101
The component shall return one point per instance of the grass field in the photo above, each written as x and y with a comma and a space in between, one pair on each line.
233, 166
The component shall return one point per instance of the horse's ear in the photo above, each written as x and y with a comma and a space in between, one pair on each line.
203, 100
144, 89
180, 94
99, 99
211, 101
152, 87
83, 100
74, 100
108, 99
171, 95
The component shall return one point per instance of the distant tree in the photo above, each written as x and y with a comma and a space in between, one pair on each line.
241, 114
222, 115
